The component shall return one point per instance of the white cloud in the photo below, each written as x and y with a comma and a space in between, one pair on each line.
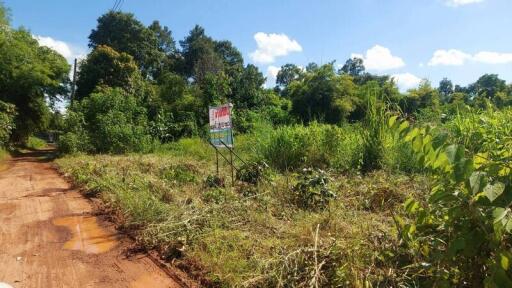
380, 58
406, 81
455, 57
68, 51
271, 46
457, 3
493, 57
450, 57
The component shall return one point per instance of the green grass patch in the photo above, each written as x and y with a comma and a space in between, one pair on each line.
35, 143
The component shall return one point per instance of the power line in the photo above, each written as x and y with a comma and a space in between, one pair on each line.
117, 5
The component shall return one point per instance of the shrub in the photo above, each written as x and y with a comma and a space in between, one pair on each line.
114, 122
462, 235
252, 173
312, 191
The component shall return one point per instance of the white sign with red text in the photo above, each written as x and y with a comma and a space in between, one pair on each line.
220, 125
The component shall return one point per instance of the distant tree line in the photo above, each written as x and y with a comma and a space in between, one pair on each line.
138, 86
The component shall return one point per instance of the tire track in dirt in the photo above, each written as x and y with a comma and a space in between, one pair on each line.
34, 252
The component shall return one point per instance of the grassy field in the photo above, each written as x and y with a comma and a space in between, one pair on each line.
257, 235
306, 211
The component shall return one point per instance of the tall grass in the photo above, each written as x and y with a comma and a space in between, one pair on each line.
324, 146
374, 133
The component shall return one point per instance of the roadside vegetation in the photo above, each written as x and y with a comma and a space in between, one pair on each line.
346, 181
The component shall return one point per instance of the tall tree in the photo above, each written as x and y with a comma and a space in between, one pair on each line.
166, 43
193, 46
29, 76
107, 67
353, 67
323, 96
445, 90
247, 91
124, 33
287, 74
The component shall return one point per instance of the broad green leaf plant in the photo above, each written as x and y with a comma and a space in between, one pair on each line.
461, 236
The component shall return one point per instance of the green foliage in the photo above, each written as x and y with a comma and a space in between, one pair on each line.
462, 234
287, 74
252, 173
323, 96
125, 34
29, 74
35, 143
374, 134
312, 190
214, 181
290, 147
111, 121
106, 67
7, 115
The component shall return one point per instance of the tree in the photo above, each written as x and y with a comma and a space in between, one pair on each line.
247, 91
489, 87
29, 76
231, 58
206, 60
422, 97
107, 67
311, 67
166, 43
125, 34
287, 74
445, 90
353, 67
4, 17
191, 50
323, 96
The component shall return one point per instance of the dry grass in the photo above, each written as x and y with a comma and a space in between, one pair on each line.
257, 241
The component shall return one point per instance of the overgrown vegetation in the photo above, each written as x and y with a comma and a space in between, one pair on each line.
329, 195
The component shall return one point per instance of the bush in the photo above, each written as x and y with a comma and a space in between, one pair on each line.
70, 143
312, 191
462, 235
114, 122
252, 173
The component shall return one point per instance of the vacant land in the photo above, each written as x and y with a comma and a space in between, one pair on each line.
251, 234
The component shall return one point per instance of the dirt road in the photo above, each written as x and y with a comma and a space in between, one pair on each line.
49, 238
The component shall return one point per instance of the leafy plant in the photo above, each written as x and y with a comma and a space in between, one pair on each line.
252, 173
214, 181
461, 236
312, 190
7, 114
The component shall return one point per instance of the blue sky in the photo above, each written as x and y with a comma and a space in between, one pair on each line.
412, 39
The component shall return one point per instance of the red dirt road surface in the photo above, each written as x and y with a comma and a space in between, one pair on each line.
50, 238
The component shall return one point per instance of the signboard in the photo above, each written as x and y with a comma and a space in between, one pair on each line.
221, 129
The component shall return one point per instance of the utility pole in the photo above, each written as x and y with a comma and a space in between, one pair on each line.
73, 86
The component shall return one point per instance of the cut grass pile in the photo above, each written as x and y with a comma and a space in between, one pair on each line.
251, 235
